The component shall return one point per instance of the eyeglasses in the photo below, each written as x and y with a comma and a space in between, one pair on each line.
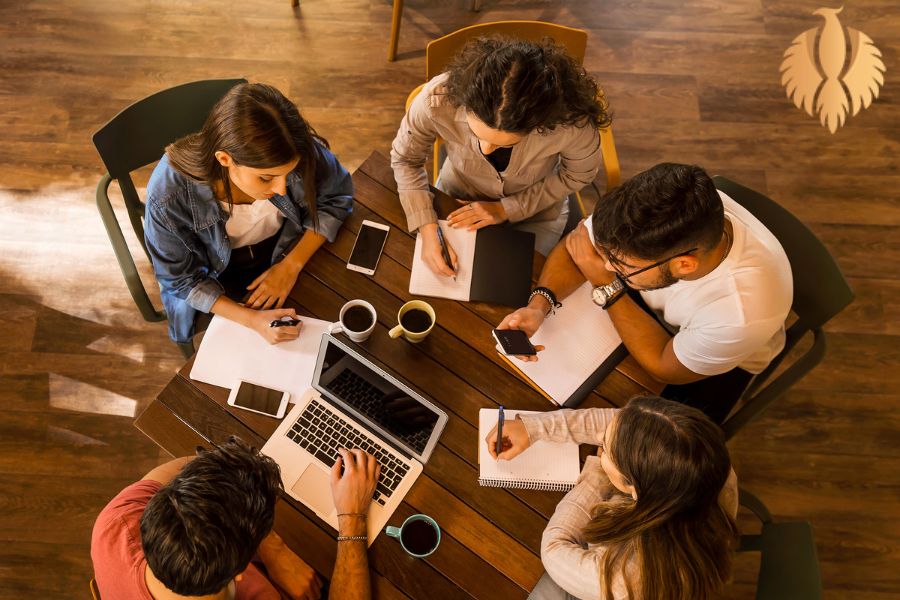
625, 277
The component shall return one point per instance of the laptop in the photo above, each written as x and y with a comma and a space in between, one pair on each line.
353, 403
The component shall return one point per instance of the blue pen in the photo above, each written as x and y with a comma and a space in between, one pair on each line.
499, 447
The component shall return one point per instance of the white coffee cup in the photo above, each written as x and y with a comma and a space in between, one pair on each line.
341, 326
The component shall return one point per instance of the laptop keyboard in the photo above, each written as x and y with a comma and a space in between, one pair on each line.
320, 431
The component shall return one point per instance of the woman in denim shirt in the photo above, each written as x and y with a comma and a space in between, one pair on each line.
235, 211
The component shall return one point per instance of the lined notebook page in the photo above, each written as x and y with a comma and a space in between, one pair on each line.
424, 282
576, 340
543, 466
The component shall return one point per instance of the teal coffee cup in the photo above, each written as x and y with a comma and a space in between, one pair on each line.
419, 535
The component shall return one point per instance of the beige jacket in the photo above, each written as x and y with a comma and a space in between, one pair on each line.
572, 563
543, 169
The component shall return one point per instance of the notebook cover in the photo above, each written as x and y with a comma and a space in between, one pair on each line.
501, 273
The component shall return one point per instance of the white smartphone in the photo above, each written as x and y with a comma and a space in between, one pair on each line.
259, 399
368, 247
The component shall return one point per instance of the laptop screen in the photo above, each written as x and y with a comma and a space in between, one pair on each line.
357, 384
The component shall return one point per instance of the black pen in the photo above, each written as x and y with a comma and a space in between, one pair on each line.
285, 323
445, 252
499, 447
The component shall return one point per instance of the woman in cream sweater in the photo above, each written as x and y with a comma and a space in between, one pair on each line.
652, 516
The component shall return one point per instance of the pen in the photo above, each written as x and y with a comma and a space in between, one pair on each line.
499, 447
285, 323
445, 252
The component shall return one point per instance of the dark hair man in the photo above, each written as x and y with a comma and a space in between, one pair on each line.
201, 527
714, 283
519, 123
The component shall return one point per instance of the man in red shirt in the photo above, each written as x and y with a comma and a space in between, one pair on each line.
201, 527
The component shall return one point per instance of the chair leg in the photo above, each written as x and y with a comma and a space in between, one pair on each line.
395, 29
476, 5
295, 3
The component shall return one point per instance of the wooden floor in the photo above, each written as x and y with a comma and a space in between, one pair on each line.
688, 81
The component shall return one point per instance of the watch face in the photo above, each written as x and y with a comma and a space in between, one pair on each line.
598, 296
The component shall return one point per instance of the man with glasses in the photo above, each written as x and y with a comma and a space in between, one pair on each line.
695, 285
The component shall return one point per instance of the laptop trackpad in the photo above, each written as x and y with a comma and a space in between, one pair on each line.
314, 486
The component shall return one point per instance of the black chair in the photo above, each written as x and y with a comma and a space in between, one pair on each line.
137, 137
820, 293
789, 565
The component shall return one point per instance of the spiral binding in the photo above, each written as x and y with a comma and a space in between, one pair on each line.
528, 484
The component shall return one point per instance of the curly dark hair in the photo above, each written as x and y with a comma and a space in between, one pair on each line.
202, 529
520, 86
667, 208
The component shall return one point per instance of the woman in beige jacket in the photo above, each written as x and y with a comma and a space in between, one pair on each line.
651, 517
519, 122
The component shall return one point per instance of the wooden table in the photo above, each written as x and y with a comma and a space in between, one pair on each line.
490, 546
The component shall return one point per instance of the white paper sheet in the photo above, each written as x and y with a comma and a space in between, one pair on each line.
230, 352
577, 339
424, 282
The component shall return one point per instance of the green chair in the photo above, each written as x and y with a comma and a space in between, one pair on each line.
789, 566
137, 137
820, 293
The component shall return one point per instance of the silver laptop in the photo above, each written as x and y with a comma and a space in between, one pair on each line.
354, 404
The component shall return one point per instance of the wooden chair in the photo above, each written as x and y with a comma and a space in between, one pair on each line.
439, 53
820, 293
137, 137
396, 18
95, 591
789, 565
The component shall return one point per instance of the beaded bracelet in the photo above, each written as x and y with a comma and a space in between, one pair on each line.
363, 515
352, 538
548, 295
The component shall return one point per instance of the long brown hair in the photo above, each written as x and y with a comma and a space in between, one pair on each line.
680, 537
260, 128
521, 86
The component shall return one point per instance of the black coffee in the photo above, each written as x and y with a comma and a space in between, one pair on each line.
357, 318
415, 320
419, 537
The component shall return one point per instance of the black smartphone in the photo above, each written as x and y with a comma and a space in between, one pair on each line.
514, 342
367, 249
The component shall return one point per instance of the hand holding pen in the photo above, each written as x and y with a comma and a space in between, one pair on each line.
513, 440
445, 251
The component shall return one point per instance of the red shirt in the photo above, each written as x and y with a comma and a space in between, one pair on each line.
119, 561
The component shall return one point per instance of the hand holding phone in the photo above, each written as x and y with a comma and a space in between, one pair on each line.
514, 342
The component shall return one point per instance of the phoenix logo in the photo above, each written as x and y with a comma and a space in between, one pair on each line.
826, 86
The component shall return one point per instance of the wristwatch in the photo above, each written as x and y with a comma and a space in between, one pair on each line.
605, 295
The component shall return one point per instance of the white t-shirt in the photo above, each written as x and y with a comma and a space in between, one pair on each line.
252, 223
733, 316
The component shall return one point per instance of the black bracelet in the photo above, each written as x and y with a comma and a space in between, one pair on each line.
548, 295
615, 299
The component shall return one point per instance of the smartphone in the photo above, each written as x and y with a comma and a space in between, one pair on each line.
368, 247
514, 342
259, 399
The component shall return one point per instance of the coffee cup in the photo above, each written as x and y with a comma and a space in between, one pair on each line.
419, 535
357, 320
416, 321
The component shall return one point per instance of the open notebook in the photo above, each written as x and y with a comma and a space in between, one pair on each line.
543, 466
581, 347
494, 266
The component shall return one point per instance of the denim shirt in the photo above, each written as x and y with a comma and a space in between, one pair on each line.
184, 229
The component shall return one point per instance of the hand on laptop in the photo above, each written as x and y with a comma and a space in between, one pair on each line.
528, 319
288, 571
515, 440
352, 490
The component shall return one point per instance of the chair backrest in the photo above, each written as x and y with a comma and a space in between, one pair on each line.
789, 564
820, 289
138, 135
441, 51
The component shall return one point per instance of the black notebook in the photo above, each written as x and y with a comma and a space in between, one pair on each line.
494, 266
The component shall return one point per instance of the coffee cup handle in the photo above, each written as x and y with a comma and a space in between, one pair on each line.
395, 333
392, 531
335, 328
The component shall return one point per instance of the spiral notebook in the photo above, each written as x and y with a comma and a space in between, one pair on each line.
544, 465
